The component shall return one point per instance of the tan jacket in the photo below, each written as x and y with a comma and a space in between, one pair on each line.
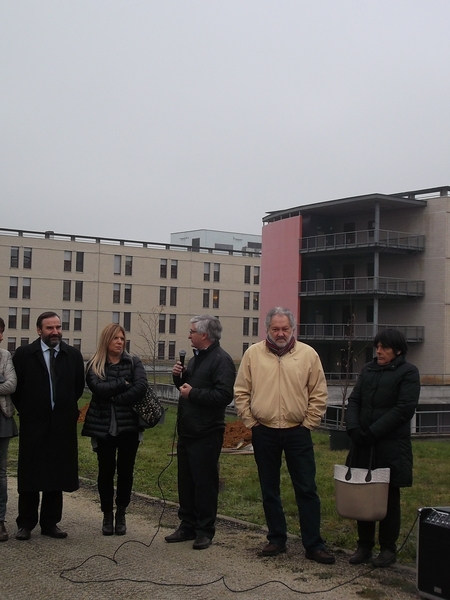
281, 392
9, 385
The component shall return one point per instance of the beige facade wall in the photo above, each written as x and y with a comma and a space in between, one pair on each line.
98, 278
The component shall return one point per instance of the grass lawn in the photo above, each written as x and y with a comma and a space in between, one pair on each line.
155, 475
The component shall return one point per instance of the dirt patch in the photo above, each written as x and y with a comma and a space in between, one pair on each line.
236, 433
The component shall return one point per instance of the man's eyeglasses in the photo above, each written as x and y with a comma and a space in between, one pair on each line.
191, 331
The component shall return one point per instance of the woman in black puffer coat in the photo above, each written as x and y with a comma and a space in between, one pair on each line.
117, 381
379, 412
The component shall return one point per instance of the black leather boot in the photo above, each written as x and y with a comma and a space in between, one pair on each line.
121, 525
108, 527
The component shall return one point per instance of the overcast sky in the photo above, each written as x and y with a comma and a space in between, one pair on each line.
137, 118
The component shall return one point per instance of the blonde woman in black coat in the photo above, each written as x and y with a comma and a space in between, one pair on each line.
117, 381
379, 412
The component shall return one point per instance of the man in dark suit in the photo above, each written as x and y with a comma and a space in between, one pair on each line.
50, 380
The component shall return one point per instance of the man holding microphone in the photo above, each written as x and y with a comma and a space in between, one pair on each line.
206, 388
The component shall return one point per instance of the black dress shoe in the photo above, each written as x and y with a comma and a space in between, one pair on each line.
54, 532
202, 542
23, 534
362, 555
180, 535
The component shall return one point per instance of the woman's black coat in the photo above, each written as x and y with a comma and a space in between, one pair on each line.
382, 405
125, 383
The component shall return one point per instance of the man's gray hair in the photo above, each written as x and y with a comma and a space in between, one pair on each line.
209, 325
278, 310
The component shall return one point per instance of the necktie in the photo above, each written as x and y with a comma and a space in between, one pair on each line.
53, 375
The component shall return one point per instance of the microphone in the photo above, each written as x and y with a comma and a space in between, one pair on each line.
182, 357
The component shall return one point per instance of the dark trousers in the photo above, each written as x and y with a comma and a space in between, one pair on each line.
51, 509
116, 452
389, 528
198, 482
268, 445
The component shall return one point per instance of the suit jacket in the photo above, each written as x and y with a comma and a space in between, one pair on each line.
48, 446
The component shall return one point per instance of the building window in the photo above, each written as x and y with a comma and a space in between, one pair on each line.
370, 269
256, 272
163, 268
78, 291
14, 262
65, 320
247, 272
11, 344
127, 321
128, 265
117, 264
127, 294
24, 341
25, 318
255, 327
173, 269
369, 313
161, 349
173, 296
12, 318
162, 296
66, 290
67, 260
162, 323
205, 298
172, 323
116, 293
215, 300
13, 285
245, 346
246, 326
255, 300
246, 300
26, 288
79, 264
77, 344
216, 272
77, 321
115, 318
206, 271
171, 351
27, 258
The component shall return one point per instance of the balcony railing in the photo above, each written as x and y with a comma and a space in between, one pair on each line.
359, 332
368, 238
371, 286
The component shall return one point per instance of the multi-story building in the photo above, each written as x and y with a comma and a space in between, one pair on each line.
92, 281
353, 266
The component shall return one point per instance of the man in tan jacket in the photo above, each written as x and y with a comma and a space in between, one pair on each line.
281, 394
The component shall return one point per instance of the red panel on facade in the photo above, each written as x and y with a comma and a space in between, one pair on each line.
280, 267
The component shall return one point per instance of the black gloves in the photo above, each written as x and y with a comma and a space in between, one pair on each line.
361, 438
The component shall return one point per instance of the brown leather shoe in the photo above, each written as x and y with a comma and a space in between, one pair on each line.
180, 535
273, 549
320, 556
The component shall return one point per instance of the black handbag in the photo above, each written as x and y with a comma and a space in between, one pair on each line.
149, 409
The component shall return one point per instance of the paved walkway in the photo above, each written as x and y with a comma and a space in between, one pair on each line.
141, 564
